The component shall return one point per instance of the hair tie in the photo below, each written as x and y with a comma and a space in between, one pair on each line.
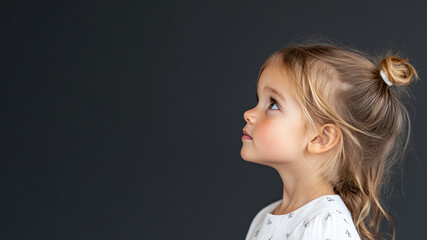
384, 77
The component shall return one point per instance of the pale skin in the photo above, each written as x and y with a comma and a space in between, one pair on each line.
276, 128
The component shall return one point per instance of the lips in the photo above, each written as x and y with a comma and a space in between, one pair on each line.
246, 133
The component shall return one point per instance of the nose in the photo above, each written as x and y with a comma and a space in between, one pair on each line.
249, 116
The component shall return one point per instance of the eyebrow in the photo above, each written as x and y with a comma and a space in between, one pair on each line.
268, 88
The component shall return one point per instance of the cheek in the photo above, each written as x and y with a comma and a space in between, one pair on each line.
279, 139
271, 136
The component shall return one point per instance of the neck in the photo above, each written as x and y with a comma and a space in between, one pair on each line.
299, 189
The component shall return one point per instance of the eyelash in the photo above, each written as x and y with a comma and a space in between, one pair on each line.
272, 100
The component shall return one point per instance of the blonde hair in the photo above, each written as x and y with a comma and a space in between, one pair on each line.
343, 86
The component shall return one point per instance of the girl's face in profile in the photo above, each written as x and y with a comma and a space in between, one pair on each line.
275, 123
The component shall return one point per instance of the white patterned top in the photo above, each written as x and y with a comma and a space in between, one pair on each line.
324, 218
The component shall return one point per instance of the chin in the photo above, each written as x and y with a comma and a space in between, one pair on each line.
244, 155
247, 156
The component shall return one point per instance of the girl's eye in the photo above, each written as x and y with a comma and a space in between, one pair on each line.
272, 103
272, 100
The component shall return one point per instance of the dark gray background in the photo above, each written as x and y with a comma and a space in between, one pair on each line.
123, 119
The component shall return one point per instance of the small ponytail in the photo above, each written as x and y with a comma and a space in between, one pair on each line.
398, 70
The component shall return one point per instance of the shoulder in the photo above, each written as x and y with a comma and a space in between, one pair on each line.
263, 211
327, 218
259, 217
329, 224
270, 207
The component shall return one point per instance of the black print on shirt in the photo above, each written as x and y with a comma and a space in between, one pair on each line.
256, 233
345, 221
326, 218
270, 238
305, 223
290, 215
287, 235
269, 221
348, 233
330, 199
339, 212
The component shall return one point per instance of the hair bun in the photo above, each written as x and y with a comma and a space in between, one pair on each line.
398, 70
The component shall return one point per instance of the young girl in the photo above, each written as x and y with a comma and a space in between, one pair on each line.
330, 120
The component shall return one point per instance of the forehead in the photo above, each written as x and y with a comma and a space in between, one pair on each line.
274, 76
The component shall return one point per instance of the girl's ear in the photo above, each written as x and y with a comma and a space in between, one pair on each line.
328, 137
